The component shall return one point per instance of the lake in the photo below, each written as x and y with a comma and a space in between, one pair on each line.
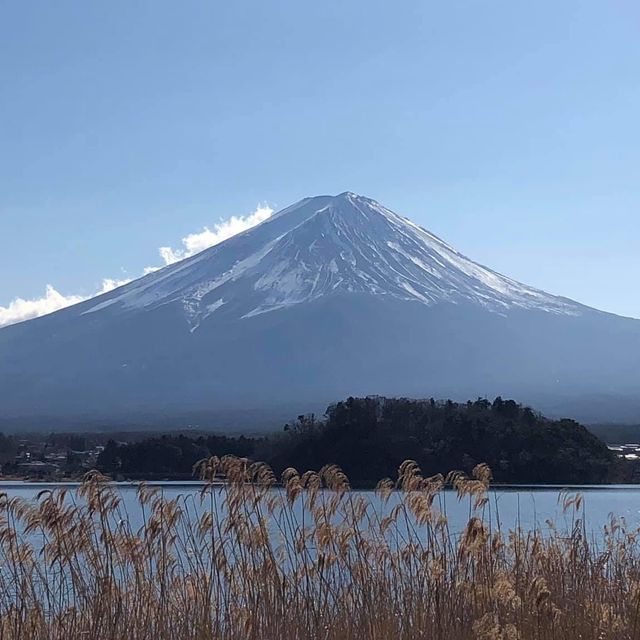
282, 561
529, 506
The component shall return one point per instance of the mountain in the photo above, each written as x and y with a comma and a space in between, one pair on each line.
334, 295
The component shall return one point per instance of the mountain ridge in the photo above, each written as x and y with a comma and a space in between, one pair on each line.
301, 262
332, 296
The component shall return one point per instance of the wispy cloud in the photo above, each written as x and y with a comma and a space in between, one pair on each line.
196, 242
52, 300
21, 309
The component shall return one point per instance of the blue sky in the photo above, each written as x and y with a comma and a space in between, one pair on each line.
510, 129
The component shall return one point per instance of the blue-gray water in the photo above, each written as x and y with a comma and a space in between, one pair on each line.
528, 507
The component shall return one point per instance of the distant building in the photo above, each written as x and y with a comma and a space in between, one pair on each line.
39, 467
627, 451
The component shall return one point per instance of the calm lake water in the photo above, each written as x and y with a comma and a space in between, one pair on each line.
530, 507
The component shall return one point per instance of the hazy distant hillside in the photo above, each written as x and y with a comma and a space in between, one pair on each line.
617, 433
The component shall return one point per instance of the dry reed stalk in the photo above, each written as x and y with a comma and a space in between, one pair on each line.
309, 560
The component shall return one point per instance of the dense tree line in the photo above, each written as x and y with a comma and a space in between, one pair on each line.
168, 455
370, 437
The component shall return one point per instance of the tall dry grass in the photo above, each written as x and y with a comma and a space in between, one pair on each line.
312, 560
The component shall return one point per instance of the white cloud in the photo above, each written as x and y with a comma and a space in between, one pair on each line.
20, 309
196, 242
109, 284
52, 300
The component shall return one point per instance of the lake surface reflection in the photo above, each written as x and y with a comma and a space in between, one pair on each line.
529, 507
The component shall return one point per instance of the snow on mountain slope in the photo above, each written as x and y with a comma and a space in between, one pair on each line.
319, 247
333, 296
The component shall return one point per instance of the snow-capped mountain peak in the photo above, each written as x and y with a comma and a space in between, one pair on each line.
331, 297
324, 246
